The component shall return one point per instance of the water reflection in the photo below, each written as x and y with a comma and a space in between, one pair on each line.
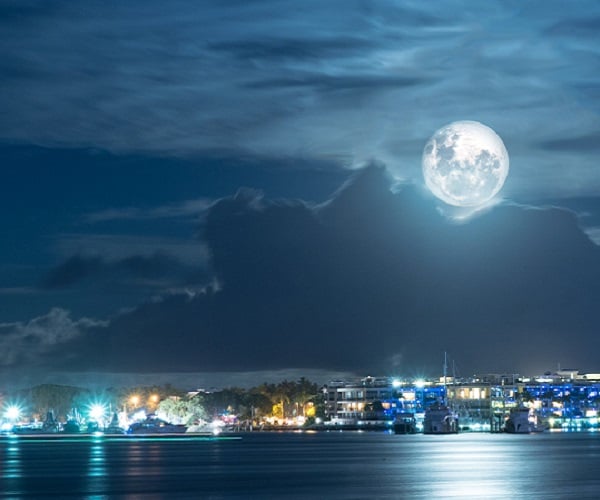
96, 472
12, 468
487, 466
324, 465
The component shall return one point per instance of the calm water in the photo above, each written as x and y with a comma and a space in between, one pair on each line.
331, 465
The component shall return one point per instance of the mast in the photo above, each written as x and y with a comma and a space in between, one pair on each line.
445, 370
445, 366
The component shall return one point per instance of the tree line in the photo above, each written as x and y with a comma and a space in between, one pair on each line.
282, 400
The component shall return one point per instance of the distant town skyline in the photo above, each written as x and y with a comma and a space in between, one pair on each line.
236, 189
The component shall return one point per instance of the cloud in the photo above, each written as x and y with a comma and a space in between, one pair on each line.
333, 83
372, 281
369, 81
188, 208
274, 49
158, 269
118, 247
576, 27
26, 342
588, 143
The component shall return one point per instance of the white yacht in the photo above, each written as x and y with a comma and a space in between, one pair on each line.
522, 421
439, 419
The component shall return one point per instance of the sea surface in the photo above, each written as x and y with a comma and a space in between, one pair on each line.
324, 465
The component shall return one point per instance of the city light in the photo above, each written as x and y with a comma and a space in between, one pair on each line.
12, 413
97, 412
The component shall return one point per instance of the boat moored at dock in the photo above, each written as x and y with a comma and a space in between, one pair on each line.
440, 419
522, 420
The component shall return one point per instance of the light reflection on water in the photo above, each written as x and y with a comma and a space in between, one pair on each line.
319, 465
96, 473
11, 469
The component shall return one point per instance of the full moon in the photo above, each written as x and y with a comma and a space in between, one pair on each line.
465, 164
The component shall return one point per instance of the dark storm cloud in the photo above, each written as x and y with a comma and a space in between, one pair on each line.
365, 280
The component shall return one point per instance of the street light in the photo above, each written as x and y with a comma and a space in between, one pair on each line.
97, 412
12, 413
134, 401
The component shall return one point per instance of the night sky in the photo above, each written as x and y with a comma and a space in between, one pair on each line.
233, 190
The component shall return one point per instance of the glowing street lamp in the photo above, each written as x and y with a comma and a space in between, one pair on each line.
134, 400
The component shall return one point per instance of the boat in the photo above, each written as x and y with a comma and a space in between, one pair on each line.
522, 420
49, 426
440, 419
71, 426
154, 425
114, 427
405, 423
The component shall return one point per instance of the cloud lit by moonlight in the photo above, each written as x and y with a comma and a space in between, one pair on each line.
465, 164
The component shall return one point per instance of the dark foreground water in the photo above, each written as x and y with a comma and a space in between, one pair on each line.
331, 465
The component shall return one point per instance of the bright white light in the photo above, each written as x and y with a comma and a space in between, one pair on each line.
396, 383
139, 416
419, 384
97, 412
12, 412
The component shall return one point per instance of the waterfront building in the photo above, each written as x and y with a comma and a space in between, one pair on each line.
374, 402
561, 400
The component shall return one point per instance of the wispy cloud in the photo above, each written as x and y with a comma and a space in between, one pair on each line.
346, 79
117, 247
27, 341
189, 208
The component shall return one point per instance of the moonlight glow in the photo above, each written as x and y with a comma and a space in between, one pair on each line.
465, 164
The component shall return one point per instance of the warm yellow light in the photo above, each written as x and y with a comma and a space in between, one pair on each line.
154, 398
134, 400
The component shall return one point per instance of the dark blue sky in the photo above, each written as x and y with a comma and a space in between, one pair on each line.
184, 187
